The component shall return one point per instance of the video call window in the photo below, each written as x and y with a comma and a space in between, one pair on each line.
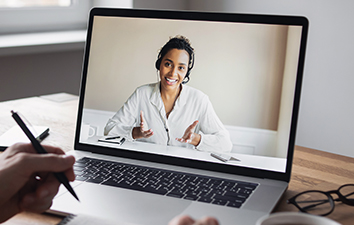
246, 71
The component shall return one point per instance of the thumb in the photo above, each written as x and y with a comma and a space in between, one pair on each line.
143, 124
193, 125
142, 116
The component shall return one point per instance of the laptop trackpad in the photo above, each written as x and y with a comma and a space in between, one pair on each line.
120, 204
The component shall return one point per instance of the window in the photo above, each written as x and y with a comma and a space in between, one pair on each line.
34, 3
24, 16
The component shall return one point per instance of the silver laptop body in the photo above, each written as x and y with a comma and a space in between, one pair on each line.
250, 67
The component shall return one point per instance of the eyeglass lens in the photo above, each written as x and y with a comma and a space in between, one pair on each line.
348, 192
321, 203
315, 202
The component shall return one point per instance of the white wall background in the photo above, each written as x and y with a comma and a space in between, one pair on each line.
327, 110
123, 54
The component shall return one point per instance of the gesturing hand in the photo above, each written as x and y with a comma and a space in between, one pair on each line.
142, 131
189, 136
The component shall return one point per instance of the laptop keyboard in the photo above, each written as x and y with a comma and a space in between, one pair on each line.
164, 182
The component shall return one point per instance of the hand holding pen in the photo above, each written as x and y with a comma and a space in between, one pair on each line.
30, 182
61, 177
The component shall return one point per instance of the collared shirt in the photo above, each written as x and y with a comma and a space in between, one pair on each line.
191, 105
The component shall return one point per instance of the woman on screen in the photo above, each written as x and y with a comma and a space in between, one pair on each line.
169, 112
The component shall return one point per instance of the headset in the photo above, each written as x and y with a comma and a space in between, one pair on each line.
168, 46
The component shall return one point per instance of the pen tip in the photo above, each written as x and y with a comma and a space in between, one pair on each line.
77, 198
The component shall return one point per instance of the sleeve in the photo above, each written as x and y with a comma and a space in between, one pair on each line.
214, 136
123, 122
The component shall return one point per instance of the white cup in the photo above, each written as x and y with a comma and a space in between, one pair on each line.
87, 131
292, 218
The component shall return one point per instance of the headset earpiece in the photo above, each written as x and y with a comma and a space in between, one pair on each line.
158, 63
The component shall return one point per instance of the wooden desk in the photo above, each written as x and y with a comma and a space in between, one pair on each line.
318, 170
312, 169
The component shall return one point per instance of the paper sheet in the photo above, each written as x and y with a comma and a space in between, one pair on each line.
15, 134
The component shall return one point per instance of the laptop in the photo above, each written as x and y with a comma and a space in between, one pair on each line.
248, 68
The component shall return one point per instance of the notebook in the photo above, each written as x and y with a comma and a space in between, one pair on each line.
15, 134
241, 104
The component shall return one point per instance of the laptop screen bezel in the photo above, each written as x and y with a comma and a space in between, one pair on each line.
197, 16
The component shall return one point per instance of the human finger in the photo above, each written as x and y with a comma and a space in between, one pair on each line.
189, 131
142, 116
182, 220
32, 204
45, 162
193, 125
187, 138
179, 139
54, 150
41, 198
190, 137
207, 221
70, 174
143, 125
28, 148
147, 133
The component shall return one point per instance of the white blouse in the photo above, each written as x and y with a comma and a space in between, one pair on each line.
191, 105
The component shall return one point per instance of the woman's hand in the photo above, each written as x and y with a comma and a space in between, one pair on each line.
27, 182
189, 136
187, 220
143, 131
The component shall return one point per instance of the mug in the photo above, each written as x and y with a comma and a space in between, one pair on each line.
87, 131
292, 218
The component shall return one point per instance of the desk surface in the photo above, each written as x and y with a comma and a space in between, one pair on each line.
312, 169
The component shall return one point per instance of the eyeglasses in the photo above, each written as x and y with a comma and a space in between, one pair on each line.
322, 203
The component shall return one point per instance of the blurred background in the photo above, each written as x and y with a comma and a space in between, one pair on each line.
42, 45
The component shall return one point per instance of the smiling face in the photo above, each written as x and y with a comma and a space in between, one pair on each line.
173, 69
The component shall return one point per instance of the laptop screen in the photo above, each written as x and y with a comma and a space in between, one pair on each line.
237, 112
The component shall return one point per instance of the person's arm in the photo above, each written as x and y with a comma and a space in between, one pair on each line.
125, 121
27, 182
214, 136
211, 135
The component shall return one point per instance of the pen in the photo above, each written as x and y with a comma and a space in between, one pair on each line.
43, 135
218, 157
111, 138
39, 148
224, 158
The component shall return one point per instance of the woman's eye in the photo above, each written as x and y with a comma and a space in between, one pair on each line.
167, 64
182, 68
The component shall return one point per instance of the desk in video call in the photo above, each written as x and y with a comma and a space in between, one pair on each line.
254, 161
